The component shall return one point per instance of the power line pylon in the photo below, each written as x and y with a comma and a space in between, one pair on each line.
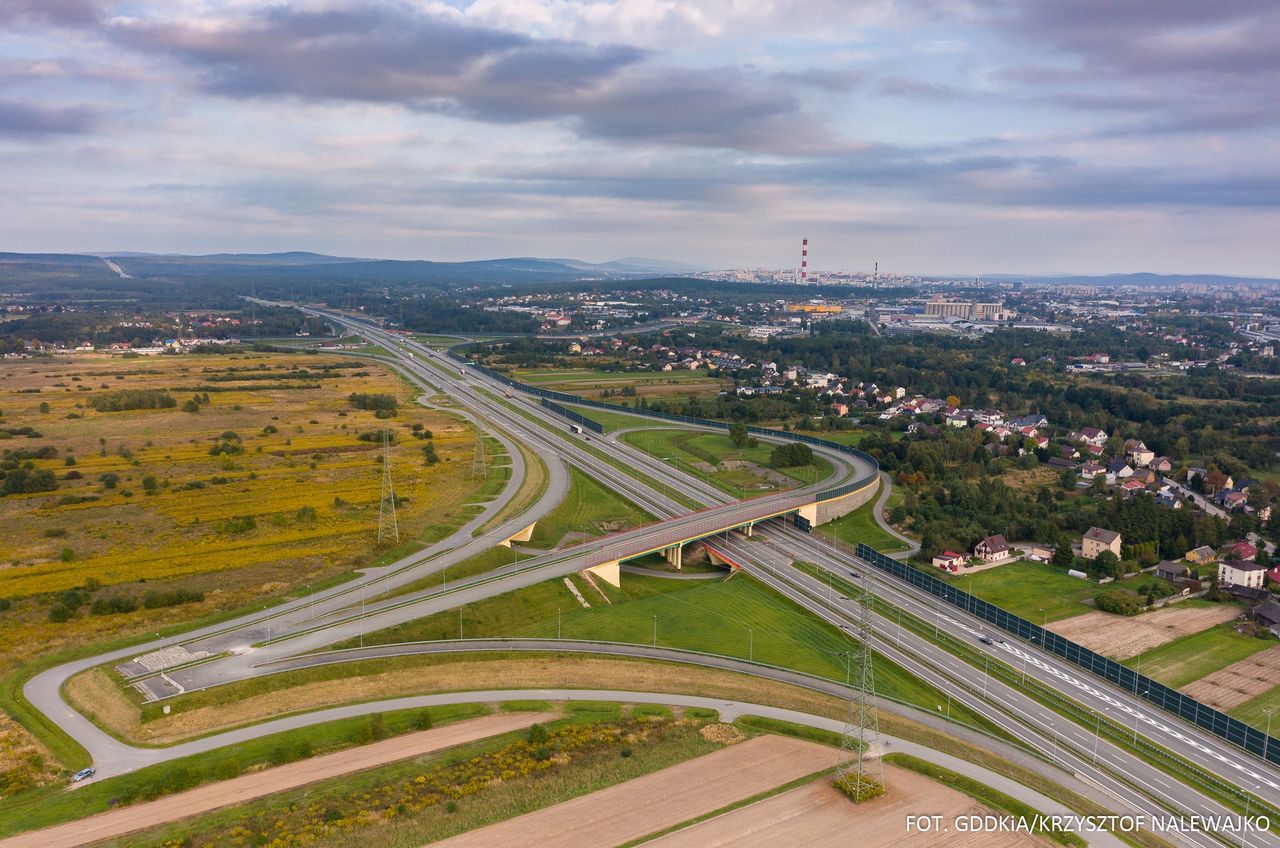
859, 772
388, 529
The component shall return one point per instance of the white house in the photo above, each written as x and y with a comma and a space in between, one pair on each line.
1238, 572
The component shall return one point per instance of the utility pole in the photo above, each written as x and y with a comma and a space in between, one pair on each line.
388, 528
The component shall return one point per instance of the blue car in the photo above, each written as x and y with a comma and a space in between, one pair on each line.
83, 774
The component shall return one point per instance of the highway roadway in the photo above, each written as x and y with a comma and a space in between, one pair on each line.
248, 646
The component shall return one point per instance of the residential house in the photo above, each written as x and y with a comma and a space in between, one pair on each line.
1118, 470
1239, 550
1145, 476
1098, 540
1232, 499
1131, 487
1138, 453
1091, 436
1092, 469
1169, 499
1242, 572
1171, 569
1161, 465
992, 549
949, 560
1267, 614
1201, 555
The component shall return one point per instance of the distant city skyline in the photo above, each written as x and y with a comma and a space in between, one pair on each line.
935, 137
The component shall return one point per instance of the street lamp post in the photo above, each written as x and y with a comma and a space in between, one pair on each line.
1097, 730
655, 631
1135, 718
557, 622
1267, 739
751, 645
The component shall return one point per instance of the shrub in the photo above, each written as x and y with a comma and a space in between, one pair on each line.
422, 721
376, 402
113, 605
159, 598
537, 735
125, 399
66, 555
22, 481
791, 455
59, 613
1118, 602
109, 480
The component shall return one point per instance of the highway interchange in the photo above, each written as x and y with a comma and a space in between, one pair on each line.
298, 632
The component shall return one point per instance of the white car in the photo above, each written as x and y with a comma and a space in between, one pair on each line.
83, 774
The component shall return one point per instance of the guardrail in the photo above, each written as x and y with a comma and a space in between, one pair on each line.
1152, 691
563, 398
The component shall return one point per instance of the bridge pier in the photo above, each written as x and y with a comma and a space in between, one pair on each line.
608, 572
675, 556
523, 536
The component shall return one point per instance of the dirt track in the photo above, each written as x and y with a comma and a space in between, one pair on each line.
817, 816
1120, 637
647, 804
1241, 681
249, 787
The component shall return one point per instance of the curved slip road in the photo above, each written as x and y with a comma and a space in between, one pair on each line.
249, 787
74, 834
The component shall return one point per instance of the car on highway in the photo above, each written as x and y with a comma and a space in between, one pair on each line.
986, 640
855, 575
83, 774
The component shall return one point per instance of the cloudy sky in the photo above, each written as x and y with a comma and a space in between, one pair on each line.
933, 136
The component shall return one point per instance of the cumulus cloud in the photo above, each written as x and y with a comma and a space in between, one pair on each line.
437, 63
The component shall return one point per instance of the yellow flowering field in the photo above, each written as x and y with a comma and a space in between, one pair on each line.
249, 477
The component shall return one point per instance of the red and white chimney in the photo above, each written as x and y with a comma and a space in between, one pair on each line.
804, 261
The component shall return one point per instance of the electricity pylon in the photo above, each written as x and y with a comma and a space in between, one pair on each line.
858, 774
388, 529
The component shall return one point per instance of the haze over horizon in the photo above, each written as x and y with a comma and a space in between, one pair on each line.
1026, 136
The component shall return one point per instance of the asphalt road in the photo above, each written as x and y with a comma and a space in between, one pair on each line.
335, 614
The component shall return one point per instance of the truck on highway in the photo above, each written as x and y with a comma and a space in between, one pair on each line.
575, 428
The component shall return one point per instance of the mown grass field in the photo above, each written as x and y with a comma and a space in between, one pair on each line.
1190, 658
1257, 711
589, 509
860, 526
705, 455
1027, 588
148, 506
590, 383
613, 421
737, 617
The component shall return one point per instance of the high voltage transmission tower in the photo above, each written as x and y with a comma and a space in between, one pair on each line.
388, 529
859, 772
